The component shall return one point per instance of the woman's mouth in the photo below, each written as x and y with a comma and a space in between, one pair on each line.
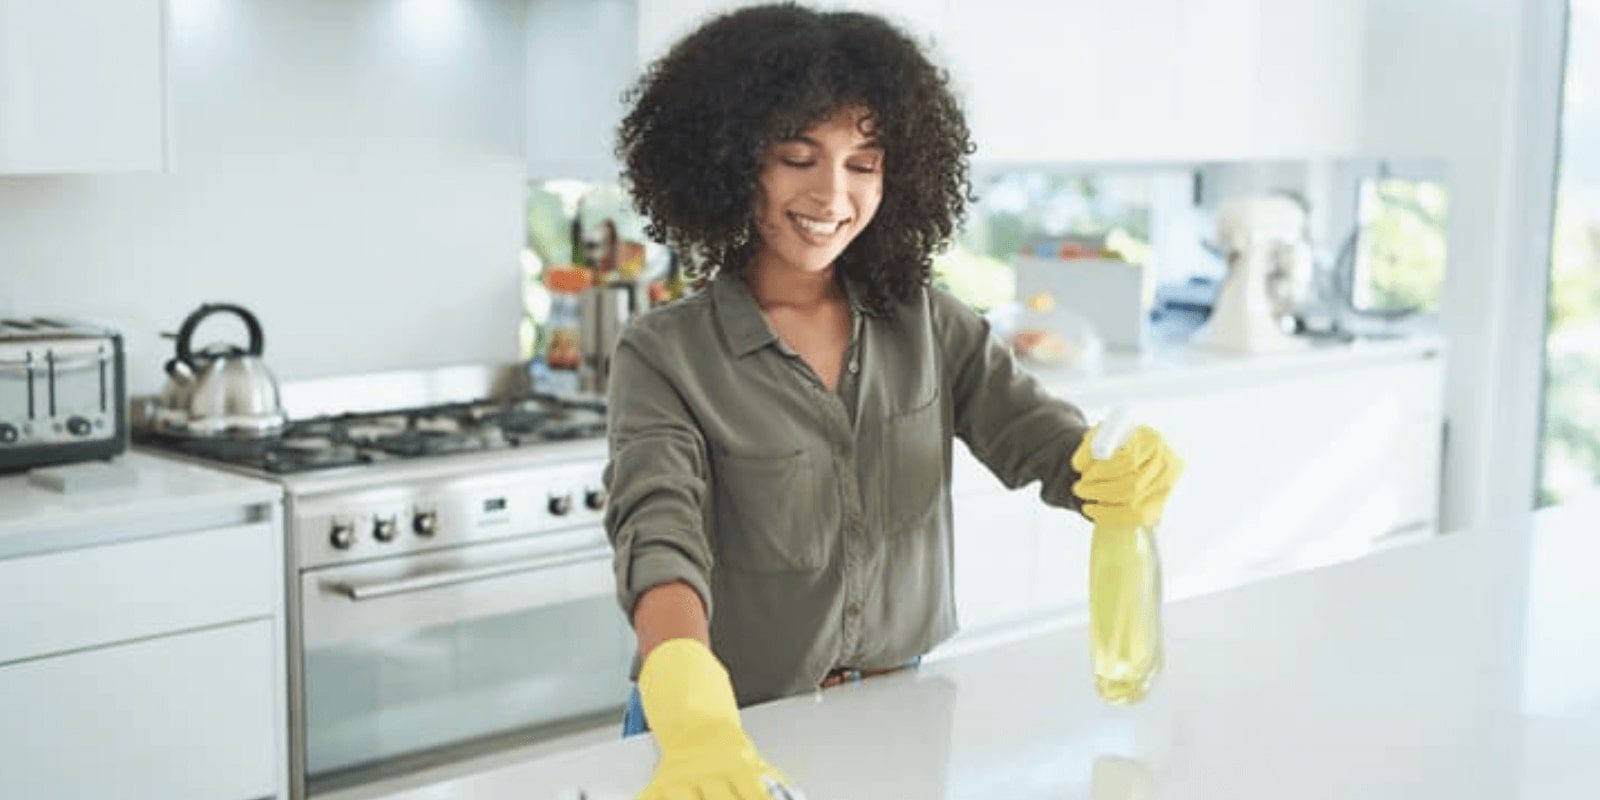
816, 231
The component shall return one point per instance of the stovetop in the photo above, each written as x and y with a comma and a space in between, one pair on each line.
353, 439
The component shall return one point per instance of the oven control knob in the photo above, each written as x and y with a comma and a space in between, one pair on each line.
595, 499
343, 535
425, 522
9, 433
78, 426
561, 505
383, 529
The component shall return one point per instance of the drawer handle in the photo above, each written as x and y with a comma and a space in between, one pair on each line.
434, 580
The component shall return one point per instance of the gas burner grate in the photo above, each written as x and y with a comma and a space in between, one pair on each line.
345, 440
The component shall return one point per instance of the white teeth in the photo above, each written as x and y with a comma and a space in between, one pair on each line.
818, 227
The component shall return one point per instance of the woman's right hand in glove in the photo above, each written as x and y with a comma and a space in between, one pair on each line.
689, 702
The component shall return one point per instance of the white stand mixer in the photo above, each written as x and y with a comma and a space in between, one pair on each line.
1269, 271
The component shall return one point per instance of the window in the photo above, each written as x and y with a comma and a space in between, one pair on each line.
1109, 214
1400, 250
1570, 447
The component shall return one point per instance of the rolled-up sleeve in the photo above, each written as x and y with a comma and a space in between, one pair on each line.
656, 480
1021, 432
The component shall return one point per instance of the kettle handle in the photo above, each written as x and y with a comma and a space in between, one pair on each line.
186, 333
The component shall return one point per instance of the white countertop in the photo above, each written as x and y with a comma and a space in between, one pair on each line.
1463, 667
33, 519
1188, 368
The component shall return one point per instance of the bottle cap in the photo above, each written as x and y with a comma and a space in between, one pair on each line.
1113, 432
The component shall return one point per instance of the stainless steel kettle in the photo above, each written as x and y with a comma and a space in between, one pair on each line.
222, 390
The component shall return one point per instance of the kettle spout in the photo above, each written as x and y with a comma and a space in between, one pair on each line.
179, 371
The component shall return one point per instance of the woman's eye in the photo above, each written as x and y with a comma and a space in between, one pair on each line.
864, 168
796, 162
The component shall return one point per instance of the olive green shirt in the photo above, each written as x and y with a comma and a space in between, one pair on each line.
815, 525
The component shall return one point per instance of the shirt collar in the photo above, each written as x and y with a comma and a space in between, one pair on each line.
744, 328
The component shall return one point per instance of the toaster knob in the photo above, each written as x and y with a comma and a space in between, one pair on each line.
595, 499
78, 426
9, 433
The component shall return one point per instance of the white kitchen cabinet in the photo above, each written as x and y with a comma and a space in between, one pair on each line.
583, 55
1270, 78
1071, 81
142, 647
1299, 471
83, 86
175, 717
1286, 469
1217, 63
131, 590
1157, 80
995, 536
663, 22
1078, 80
1308, 88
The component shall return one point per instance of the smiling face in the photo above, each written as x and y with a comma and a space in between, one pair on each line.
817, 192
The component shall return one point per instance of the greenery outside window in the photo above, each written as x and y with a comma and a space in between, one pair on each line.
1400, 254
1570, 445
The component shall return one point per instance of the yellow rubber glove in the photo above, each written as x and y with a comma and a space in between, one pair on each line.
704, 751
1130, 488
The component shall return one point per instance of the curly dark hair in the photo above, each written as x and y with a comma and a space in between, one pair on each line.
702, 116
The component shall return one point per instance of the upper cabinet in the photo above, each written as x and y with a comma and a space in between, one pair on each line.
661, 23
583, 55
1077, 80
1270, 78
1158, 80
1066, 81
82, 86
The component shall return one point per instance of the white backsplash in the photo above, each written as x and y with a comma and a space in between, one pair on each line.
350, 171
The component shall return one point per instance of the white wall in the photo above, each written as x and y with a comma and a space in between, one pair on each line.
352, 171
1477, 82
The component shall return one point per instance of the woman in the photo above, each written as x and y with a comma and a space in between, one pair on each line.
781, 441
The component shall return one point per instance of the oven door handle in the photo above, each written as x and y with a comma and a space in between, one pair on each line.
434, 580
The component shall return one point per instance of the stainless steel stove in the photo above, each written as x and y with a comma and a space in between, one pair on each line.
451, 590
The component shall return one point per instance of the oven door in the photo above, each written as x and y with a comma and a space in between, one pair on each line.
409, 658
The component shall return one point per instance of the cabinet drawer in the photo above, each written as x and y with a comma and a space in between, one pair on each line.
185, 716
98, 595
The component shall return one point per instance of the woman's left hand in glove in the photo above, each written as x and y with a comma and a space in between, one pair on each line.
1131, 487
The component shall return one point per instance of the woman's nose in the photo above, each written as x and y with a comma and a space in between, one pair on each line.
829, 185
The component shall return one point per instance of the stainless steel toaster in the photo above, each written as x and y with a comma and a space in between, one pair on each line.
62, 393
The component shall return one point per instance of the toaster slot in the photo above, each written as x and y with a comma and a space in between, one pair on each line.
50, 366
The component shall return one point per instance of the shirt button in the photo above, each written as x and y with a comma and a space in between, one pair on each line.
852, 610
855, 366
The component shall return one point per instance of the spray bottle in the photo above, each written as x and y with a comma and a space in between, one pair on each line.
1124, 593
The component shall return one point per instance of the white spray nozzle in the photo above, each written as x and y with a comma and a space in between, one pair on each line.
1114, 430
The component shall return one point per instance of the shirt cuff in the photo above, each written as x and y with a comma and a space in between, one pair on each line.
646, 569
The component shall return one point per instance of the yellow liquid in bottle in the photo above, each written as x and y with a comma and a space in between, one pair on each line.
1124, 612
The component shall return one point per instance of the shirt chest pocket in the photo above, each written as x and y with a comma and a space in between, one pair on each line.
774, 513
913, 473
